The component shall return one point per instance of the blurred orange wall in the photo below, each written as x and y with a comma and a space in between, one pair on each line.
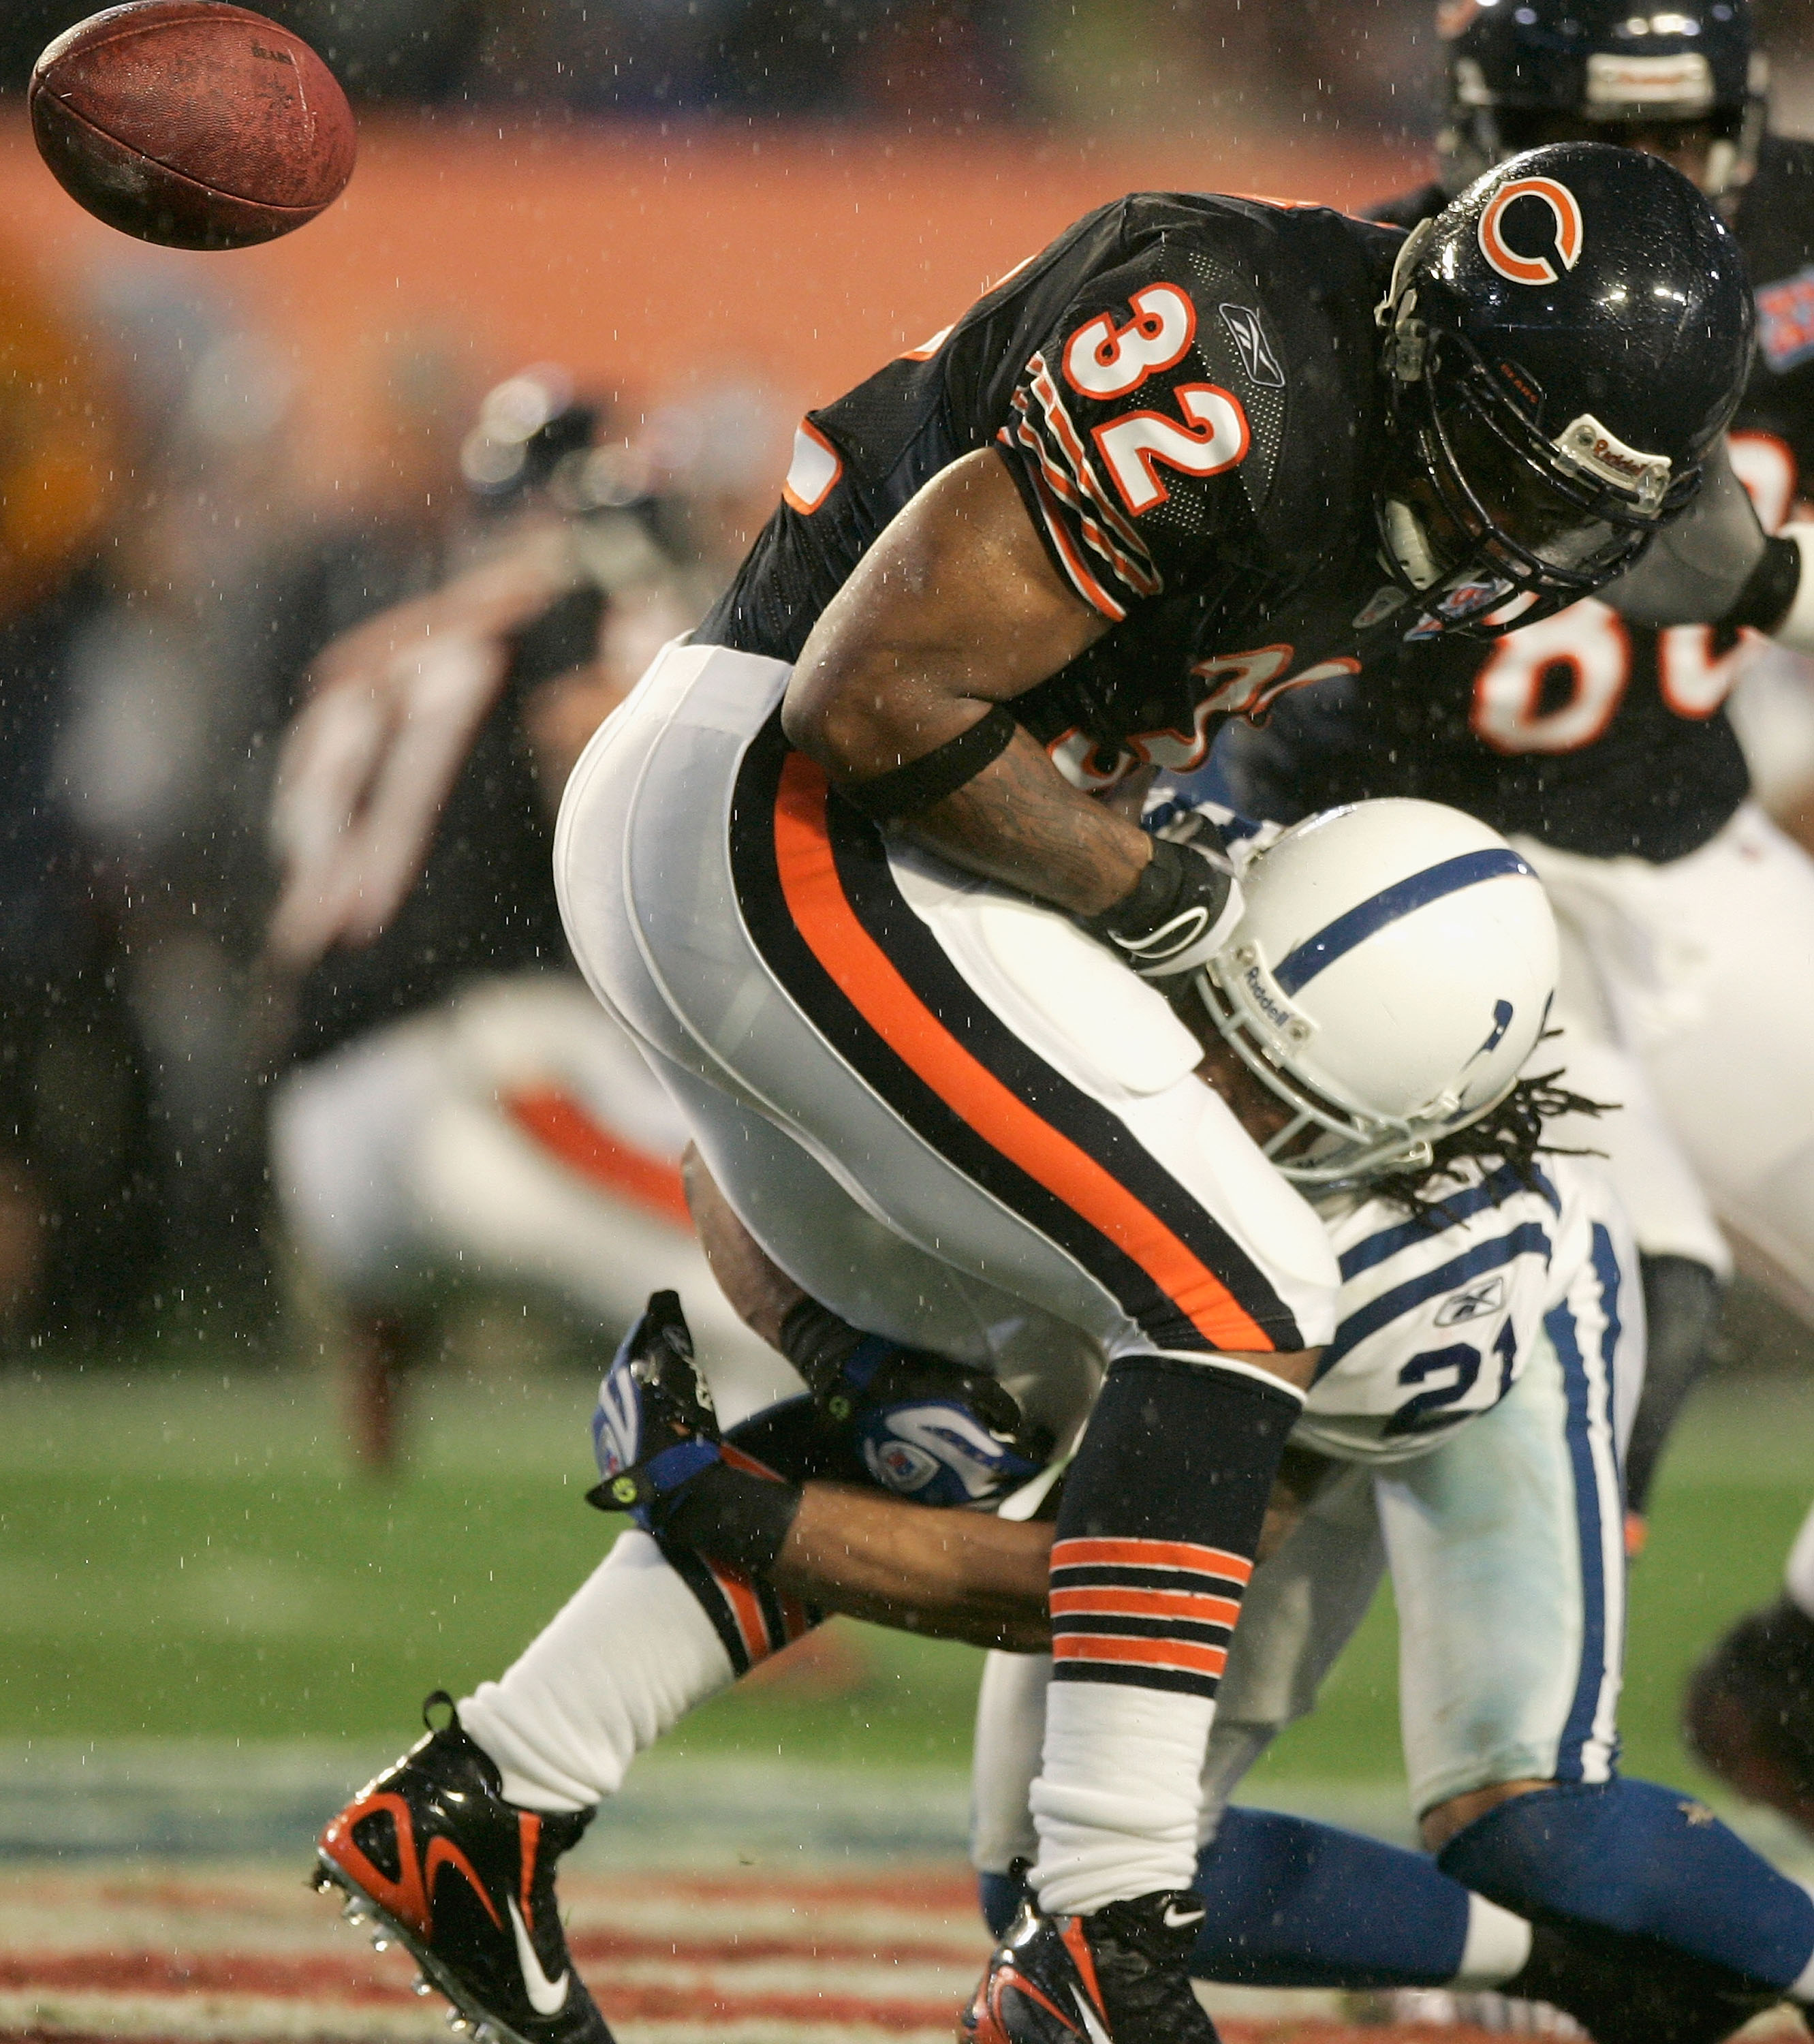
651, 259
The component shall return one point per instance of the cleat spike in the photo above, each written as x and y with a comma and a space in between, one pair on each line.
380, 1942
457, 2022
419, 1986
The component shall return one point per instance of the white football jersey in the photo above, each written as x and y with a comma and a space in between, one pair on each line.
1437, 1318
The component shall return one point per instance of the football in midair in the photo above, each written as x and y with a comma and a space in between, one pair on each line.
192, 123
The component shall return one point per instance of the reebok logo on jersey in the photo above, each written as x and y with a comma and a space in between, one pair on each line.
1253, 347
1472, 1302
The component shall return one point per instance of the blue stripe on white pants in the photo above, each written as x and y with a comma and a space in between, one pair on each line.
1509, 1612
1584, 1331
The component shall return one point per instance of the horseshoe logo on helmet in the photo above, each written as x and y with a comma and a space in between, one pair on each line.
1534, 267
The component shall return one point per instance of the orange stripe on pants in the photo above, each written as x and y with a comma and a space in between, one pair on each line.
870, 980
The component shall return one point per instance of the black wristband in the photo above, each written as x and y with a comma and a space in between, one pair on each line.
1176, 900
904, 790
1767, 598
817, 1343
729, 1516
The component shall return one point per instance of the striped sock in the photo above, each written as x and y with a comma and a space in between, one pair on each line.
646, 1639
752, 1621
1161, 1514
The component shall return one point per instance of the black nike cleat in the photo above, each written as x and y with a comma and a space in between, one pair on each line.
1119, 1976
431, 1856
1630, 1990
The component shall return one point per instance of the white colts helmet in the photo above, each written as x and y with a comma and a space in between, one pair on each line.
1392, 973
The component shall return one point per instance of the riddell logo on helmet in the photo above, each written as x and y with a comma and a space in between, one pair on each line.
1610, 455
1280, 1018
1585, 444
1532, 265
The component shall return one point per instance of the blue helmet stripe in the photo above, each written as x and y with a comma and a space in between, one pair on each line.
1335, 939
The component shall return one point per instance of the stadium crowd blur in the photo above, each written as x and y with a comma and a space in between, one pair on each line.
161, 606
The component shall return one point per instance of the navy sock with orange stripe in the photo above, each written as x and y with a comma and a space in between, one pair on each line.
1160, 1519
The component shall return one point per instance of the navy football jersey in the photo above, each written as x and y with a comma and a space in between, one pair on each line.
1586, 732
1187, 391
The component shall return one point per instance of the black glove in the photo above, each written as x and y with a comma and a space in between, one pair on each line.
1177, 916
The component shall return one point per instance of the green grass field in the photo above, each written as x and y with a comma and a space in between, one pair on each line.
186, 1552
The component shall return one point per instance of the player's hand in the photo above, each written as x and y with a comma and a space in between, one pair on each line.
934, 1430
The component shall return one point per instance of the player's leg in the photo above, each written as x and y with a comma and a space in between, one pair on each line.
649, 1634
918, 1032
1508, 1568
600, 1682
1728, 1056
656, 1629
1286, 1902
1749, 1714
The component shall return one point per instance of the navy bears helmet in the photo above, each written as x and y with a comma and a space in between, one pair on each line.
1564, 344
1515, 67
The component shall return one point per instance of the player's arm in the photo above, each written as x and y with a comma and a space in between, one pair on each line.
1715, 565
944, 1573
957, 607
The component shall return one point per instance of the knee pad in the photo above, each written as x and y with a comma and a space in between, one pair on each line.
1646, 1861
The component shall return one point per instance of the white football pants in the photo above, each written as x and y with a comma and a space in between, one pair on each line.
1685, 995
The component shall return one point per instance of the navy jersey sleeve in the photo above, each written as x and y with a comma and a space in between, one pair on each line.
1123, 442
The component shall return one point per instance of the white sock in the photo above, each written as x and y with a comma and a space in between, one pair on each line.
628, 1655
1498, 1944
1798, 1577
1118, 1796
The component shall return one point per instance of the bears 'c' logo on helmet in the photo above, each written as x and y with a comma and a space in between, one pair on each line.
1532, 266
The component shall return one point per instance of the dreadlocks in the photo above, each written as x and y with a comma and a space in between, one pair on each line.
1510, 1136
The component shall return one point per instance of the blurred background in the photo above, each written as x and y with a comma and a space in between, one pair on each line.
547, 353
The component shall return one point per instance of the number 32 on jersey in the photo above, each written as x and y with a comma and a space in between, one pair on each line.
1104, 361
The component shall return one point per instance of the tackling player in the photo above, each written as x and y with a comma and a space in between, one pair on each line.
1599, 737
1473, 1398
1163, 468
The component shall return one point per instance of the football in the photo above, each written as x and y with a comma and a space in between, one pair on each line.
192, 123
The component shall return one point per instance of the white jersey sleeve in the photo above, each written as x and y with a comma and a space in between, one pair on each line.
1436, 1314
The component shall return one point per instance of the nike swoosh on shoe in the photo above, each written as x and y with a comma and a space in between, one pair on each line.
546, 1997
1092, 2023
1176, 1918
